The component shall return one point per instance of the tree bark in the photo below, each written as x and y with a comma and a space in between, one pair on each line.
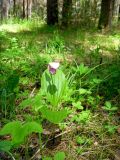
106, 14
14, 8
1, 4
66, 12
24, 15
4, 9
29, 8
119, 13
52, 12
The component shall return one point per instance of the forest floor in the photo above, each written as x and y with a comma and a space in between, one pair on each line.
91, 131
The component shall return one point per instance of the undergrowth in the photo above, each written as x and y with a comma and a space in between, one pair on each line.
72, 115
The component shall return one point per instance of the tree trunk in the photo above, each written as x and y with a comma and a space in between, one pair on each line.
106, 14
52, 12
1, 4
4, 9
119, 13
14, 8
29, 8
66, 12
23, 9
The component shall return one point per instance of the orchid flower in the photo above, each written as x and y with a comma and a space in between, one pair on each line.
53, 66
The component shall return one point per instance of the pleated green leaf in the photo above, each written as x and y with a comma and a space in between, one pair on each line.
54, 116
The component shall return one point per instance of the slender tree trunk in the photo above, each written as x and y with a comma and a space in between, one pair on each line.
27, 9
1, 4
52, 12
24, 9
94, 10
30, 9
66, 12
106, 14
14, 8
117, 10
119, 13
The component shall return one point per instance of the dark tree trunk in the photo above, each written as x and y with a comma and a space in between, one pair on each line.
119, 13
23, 9
106, 14
66, 12
52, 12
27, 9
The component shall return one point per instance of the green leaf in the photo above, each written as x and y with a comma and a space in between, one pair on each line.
78, 105
97, 81
54, 116
82, 69
81, 140
108, 107
30, 127
84, 91
19, 131
108, 104
14, 129
34, 102
59, 156
5, 146
10, 128
84, 116
111, 128
54, 87
25, 103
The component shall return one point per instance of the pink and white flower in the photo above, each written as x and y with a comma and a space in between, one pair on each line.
53, 66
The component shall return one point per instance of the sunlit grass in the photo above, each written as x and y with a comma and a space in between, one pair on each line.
35, 38
20, 26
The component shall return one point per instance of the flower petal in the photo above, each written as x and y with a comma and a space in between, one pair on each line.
54, 65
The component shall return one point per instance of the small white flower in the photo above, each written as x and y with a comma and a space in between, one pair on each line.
95, 143
53, 66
